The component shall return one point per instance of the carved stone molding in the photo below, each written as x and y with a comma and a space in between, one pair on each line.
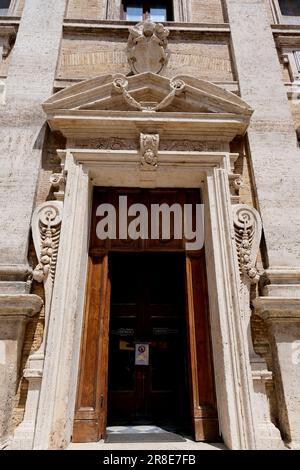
121, 85
110, 143
248, 228
46, 224
192, 146
149, 150
147, 47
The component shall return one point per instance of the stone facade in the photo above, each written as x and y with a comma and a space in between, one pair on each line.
79, 108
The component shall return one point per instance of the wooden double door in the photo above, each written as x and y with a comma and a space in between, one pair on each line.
159, 301
146, 353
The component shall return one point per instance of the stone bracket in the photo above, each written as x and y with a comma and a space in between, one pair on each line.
7, 36
23, 306
46, 222
248, 229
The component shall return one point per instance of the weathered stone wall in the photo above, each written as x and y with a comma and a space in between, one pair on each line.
207, 11
200, 11
86, 9
29, 82
87, 56
272, 136
269, 11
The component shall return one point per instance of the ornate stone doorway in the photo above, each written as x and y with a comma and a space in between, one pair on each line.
181, 142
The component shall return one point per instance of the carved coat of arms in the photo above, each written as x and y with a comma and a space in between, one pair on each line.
147, 47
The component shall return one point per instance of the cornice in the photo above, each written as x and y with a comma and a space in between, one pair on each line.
97, 123
278, 309
61, 83
20, 306
9, 21
99, 26
285, 29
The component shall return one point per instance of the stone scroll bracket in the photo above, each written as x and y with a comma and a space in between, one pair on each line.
46, 224
248, 230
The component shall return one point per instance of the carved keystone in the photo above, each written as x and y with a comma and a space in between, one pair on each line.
149, 150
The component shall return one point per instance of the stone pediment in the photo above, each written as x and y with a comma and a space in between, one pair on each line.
147, 92
118, 105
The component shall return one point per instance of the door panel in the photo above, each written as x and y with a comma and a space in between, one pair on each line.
203, 402
155, 316
91, 402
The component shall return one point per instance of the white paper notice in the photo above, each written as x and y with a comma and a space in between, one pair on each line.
142, 354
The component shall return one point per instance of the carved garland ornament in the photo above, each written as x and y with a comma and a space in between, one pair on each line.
121, 85
248, 228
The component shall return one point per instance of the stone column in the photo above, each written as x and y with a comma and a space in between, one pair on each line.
283, 320
275, 160
29, 83
15, 311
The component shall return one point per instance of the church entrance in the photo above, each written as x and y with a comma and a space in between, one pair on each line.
147, 372
146, 355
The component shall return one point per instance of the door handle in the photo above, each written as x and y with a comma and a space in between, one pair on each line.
101, 400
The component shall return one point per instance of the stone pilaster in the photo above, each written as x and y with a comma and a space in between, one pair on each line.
29, 82
275, 160
15, 311
271, 134
282, 315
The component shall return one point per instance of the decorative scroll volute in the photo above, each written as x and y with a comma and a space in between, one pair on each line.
248, 229
46, 224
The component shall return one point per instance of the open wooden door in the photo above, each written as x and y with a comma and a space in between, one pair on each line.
203, 401
91, 402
